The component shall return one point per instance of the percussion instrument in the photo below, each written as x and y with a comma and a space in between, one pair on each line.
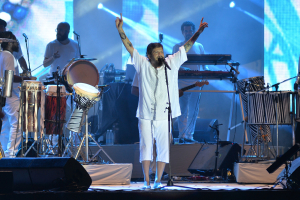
51, 102
32, 99
85, 97
81, 71
253, 84
262, 108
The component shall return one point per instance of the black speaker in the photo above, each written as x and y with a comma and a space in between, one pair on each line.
204, 162
46, 173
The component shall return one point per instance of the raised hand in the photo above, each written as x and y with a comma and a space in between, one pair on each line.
202, 25
119, 22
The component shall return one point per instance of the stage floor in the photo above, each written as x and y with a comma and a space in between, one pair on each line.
186, 186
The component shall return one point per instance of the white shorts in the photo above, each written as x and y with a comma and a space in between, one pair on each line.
150, 130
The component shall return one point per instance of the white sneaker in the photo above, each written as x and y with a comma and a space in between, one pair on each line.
157, 185
146, 187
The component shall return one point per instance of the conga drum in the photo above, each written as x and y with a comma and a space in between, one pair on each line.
31, 101
53, 114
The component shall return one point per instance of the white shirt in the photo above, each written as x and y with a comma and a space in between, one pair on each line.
153, 97
197, 48
67, 52
8, 62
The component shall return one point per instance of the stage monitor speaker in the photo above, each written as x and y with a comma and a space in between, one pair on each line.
204, 162
46, 173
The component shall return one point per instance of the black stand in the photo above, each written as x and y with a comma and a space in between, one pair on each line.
79, 45
26, 42
170, 181
216, 127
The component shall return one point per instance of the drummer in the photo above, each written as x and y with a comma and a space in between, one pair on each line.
60, 51
8, 62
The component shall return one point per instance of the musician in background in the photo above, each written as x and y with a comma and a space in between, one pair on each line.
11, 108
18, 55
189, 102
60, 51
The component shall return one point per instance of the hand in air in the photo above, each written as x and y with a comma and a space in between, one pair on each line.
203, 25
119, 22
56, 55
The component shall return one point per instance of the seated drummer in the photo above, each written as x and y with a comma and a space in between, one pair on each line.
11, 108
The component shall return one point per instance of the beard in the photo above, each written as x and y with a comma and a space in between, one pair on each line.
156, 63
62, 37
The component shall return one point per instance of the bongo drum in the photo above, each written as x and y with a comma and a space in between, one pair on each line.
51, 114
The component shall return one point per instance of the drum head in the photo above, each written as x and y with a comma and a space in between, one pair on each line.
85, 90
82, 71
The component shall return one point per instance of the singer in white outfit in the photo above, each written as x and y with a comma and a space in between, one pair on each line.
153, 98
11, 108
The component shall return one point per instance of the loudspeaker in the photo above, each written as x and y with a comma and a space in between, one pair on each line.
46, 173
204, 162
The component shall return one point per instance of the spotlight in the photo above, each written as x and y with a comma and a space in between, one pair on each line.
232, 4
100, 6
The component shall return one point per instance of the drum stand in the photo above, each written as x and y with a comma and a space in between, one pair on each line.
86, 139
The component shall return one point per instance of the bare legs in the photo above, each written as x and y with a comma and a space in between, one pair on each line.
146, 165
160, 166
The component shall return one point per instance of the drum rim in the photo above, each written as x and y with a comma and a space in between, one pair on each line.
69, 65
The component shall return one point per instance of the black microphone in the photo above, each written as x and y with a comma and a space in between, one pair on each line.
25, 36
161, 37
164, 61
76, 33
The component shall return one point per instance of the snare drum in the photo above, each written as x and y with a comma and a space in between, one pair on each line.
81, 71
51, 109
31, 101
262, 108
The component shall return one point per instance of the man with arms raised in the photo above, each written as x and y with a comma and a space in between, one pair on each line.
153, 98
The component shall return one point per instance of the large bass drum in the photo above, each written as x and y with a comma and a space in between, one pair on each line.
81, 71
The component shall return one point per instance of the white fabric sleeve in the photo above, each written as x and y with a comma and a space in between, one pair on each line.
138, 60
178, 58
49, 51
135, 81
9, 62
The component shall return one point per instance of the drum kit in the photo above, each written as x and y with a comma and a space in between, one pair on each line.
263, 108
48, 104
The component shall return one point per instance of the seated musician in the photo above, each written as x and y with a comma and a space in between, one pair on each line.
189, 102
8, 62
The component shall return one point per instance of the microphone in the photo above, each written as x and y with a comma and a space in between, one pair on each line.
25, 36
161, 37
76, 33
230, 65
164, 61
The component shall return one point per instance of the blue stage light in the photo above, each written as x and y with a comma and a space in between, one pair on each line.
232, 4
100, 6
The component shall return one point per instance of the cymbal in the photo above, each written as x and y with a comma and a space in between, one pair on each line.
7, 40
87, 59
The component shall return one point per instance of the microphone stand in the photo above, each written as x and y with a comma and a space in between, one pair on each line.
27, 49
170, 181
216, 127
79, 45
